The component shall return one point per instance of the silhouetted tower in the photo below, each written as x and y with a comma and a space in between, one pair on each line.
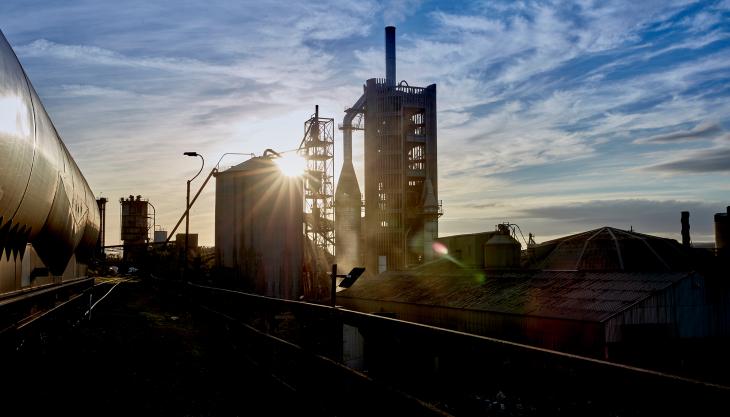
317, 148
722, 233
401, 182
684, 219
135, 229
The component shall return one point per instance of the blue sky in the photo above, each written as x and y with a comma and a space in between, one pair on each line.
557, 116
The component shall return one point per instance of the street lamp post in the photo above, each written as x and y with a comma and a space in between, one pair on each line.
190, 203
187, 210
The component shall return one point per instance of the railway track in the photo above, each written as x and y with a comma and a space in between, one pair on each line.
30, 314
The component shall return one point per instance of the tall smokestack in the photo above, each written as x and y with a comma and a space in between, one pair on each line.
390, 55
685, 229
722, 232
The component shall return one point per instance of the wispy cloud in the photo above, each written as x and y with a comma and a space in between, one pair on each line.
702, 161
541, 103
701, 131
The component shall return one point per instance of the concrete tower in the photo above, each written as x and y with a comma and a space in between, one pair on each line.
401, 182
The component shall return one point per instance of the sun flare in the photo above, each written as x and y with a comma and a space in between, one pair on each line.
292, 165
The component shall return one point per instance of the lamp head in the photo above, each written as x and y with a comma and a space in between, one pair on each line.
190, 153
351, 277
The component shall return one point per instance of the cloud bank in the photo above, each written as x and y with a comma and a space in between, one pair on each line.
542, 104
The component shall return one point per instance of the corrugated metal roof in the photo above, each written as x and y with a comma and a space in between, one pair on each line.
576, 295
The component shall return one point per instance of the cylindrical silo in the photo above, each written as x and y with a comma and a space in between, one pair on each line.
502, 251
259, 227
46, 205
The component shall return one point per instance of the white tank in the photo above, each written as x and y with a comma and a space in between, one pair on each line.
45, 203
160, 236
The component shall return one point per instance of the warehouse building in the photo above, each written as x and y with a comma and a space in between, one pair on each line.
587, 293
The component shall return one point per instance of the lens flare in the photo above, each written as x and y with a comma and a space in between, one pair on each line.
292, 165
440, 249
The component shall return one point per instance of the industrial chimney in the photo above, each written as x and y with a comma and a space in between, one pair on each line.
685, 229
722, 230
390, 55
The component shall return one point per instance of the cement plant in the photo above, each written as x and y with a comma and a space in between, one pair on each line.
339, 296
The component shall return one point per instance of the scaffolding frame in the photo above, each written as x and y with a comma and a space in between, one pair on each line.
318, 150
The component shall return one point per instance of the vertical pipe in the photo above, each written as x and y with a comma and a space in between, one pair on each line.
390, 55
187, 230
347, 143
685, 229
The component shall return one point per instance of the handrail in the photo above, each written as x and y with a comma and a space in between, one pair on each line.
352, 314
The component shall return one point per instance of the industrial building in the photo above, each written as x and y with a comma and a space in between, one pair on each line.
590, 293
401, 181
192, 243
280, 235
490, 250
274, 227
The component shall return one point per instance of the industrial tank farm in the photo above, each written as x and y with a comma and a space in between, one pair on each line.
49, 220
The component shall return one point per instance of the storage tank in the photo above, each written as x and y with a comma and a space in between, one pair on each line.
722, 230
502, 251
47, 210
160, 236
259, 218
